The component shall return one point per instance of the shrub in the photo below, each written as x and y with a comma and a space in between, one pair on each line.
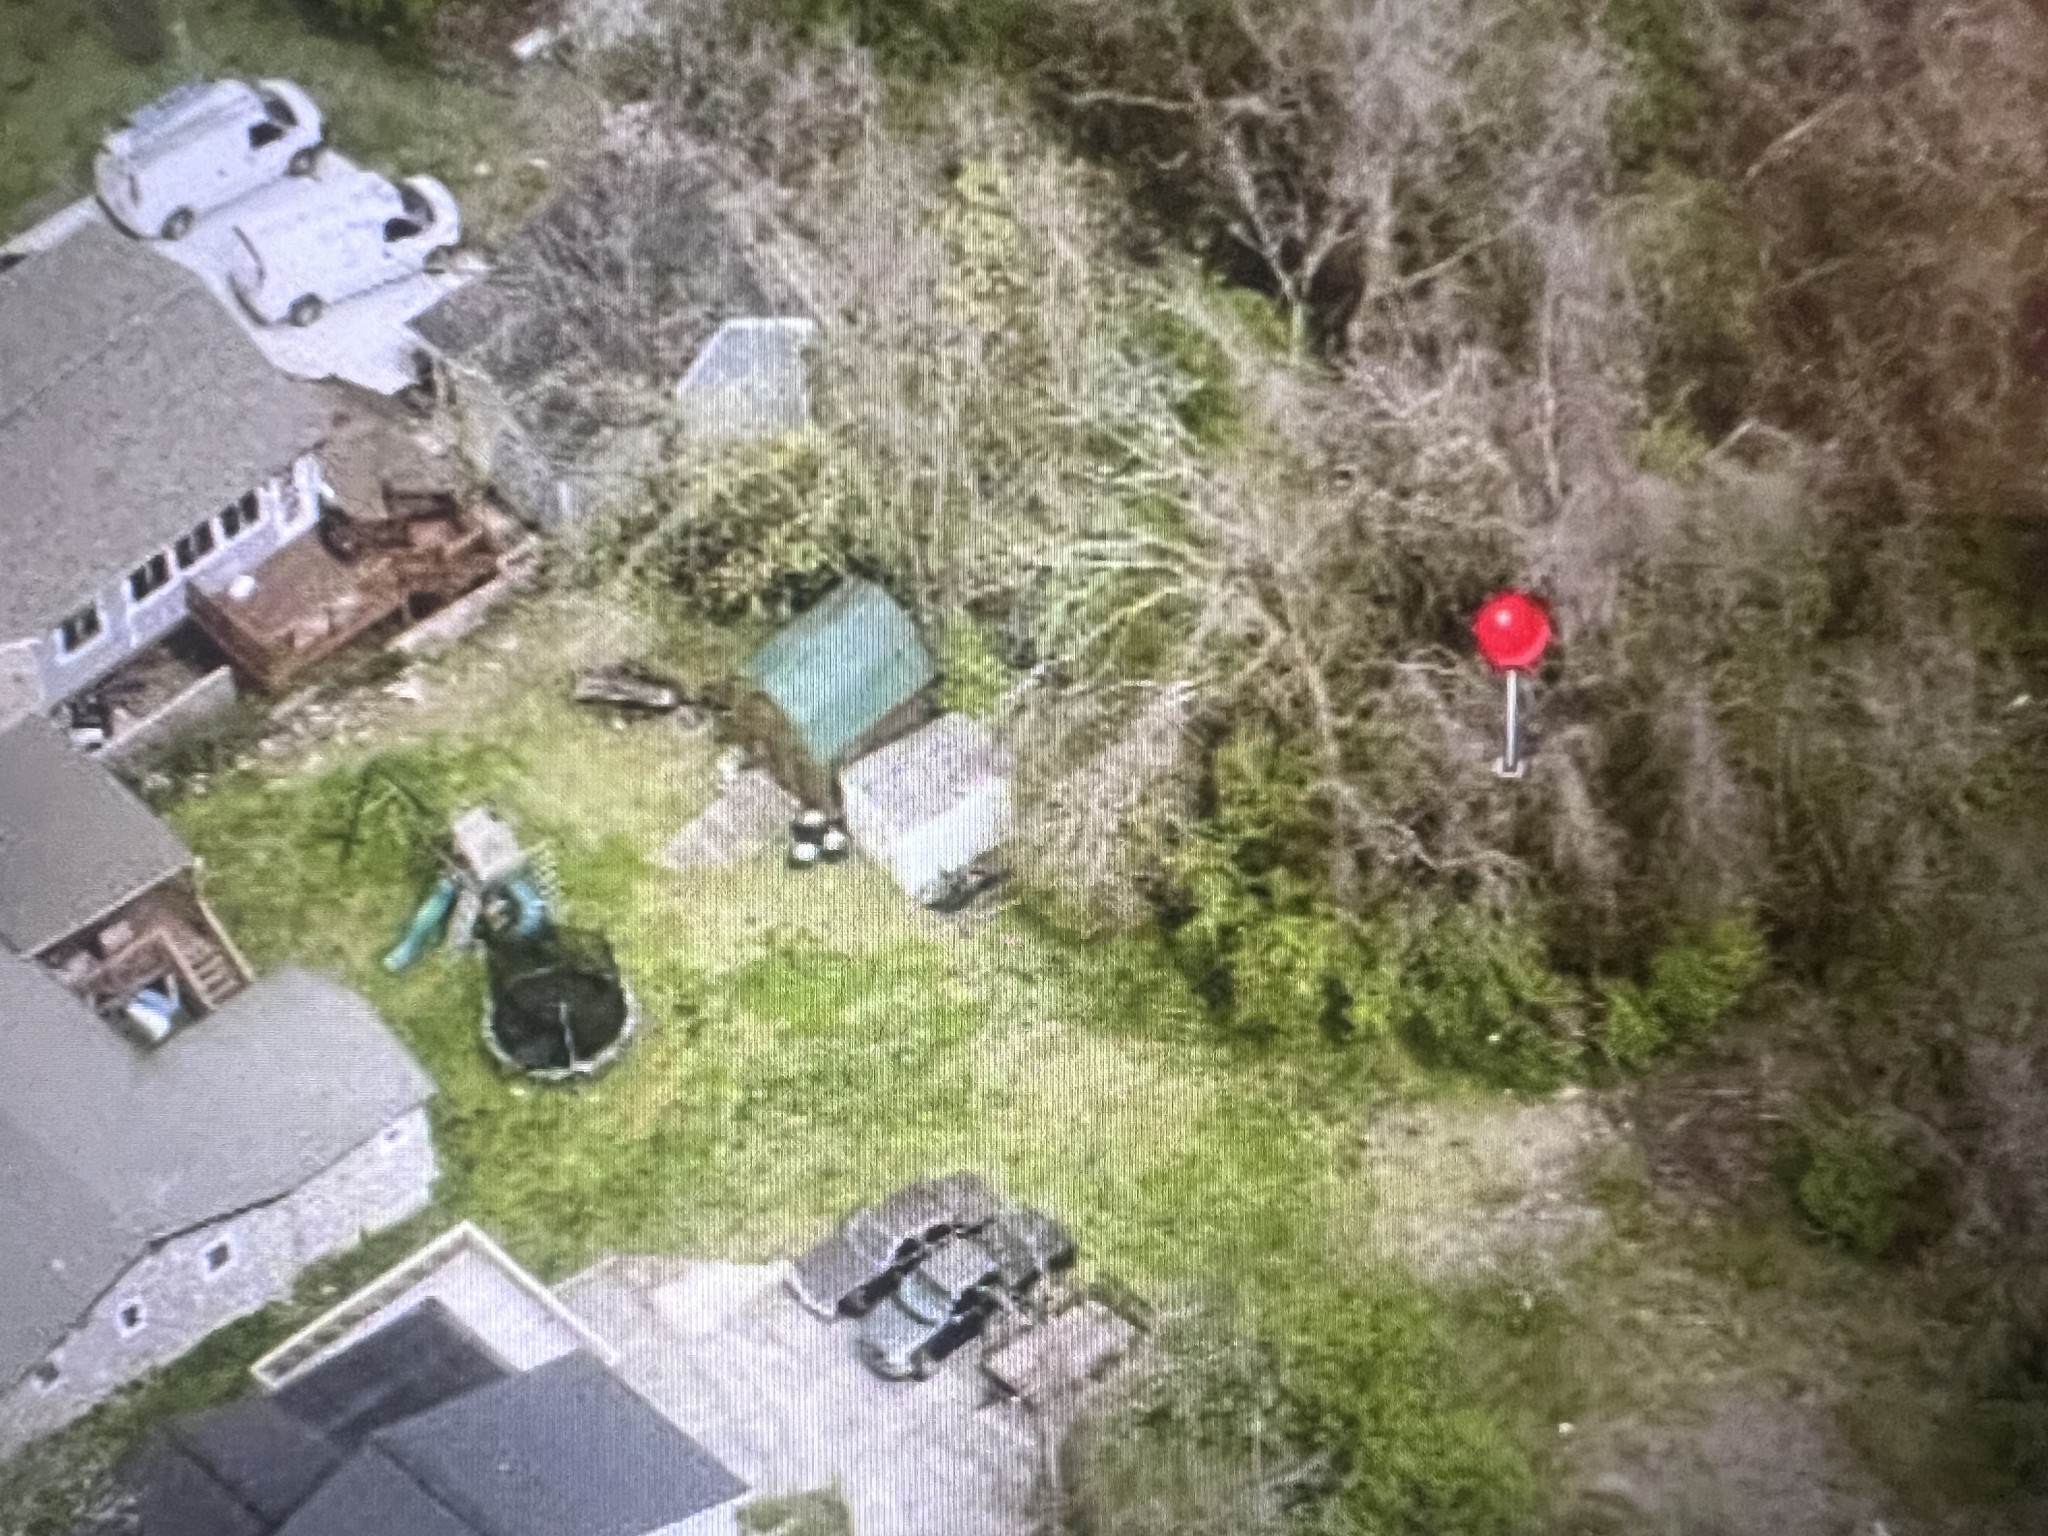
1261, 938
1478, 993
761, 529
1854, 1185
972, 677
1692, 987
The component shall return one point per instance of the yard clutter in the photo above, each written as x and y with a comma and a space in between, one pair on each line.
628, 686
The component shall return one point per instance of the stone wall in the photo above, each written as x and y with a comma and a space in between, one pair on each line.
187, 1286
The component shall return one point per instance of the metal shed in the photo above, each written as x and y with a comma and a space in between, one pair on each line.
848, 674
930, 804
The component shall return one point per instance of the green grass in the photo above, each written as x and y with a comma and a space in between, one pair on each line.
63, 86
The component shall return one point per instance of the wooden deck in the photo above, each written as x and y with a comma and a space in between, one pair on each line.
351, 579
166, 931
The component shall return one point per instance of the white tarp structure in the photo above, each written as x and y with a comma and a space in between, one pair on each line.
930, 804
749, 381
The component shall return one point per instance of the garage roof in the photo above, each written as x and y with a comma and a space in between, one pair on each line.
131, 406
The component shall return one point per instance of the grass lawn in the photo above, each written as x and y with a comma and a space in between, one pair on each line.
809, 1040
63, 86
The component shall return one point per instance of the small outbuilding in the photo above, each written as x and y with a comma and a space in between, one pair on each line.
927, 806
850, 674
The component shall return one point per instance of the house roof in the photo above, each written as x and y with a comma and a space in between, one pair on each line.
178, 1496
131, 406
843, 665
372, 1492
911, 782
566, 1446
143, 1143
74, 842
266, 1458
410, 1364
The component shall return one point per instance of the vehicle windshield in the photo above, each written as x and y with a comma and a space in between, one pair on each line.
924, 1299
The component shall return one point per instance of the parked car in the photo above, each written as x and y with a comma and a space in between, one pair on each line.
1028, 1245
941, 1303
851, 1270
203, 145
342, 238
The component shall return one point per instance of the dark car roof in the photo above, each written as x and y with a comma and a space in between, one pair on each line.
958, 1266
1026, 1244
960, 1201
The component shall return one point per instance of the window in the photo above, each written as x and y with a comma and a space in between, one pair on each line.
46, 1375
131, 1317
153, 575
80, 630
195, 546
264, 134
241, 517
218, 1257
399, 229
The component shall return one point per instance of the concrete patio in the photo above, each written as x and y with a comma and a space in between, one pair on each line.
727, 1353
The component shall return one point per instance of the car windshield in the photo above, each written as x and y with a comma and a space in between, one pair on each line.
923, 1299
417, 208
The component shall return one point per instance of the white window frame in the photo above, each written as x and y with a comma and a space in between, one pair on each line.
122, 1326
226, 1249
253, 518
172, 581
214, 546
99, 630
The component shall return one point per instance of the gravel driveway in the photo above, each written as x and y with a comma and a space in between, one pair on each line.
726, 1352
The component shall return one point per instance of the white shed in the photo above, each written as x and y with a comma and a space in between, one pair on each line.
931, 803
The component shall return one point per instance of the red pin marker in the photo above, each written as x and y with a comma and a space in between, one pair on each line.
1513, 629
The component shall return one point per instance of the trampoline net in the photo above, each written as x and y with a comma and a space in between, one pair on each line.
557, 1003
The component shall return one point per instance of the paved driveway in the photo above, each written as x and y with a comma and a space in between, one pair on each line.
363, 340
775, 1393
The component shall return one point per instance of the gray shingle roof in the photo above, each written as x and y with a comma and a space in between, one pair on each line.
412, 1363
269, 1460
131, 406
566, 1446
64, 1244
372, 1493
74, 843
245, 1106
178, 1497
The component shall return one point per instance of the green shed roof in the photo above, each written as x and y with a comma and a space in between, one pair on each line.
842, 666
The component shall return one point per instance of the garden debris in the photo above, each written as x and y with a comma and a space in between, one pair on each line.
486, 846
748, 818
1062, 1355
626, 685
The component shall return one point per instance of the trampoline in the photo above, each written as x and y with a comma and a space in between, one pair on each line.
558, 1010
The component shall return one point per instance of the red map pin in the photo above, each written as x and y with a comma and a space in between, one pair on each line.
1513, 629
